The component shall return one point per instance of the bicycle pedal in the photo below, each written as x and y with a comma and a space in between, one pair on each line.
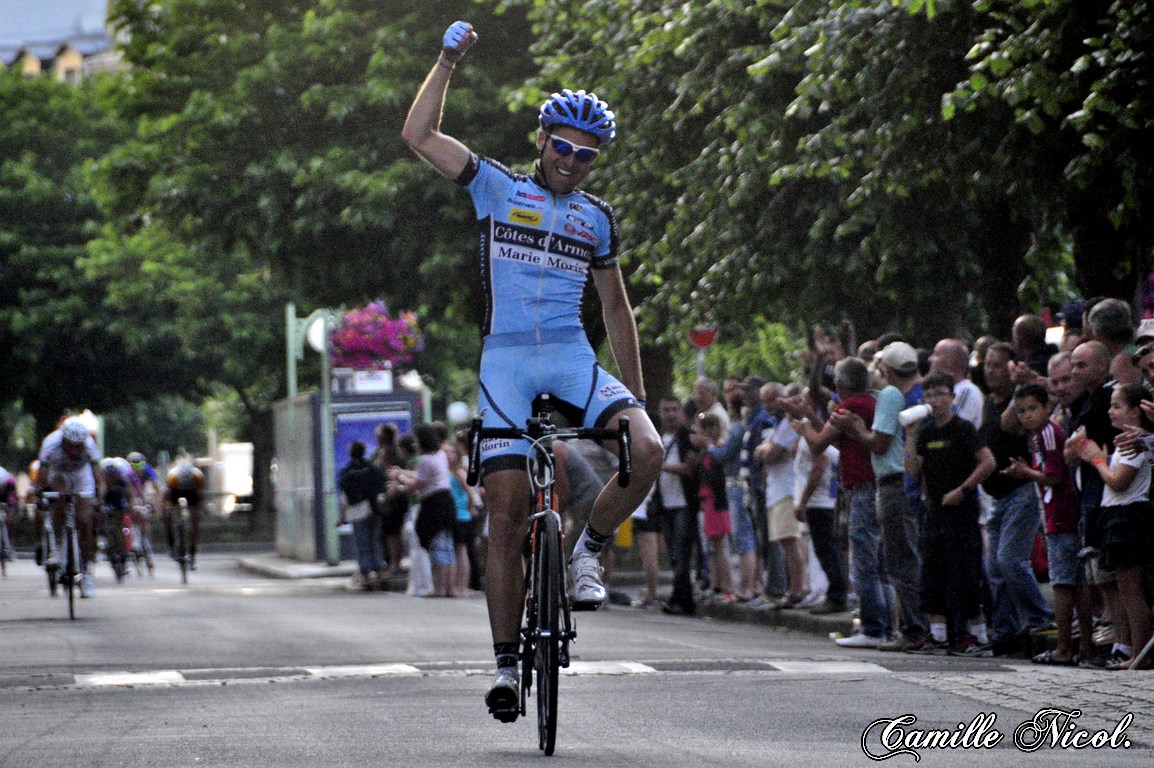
586, 605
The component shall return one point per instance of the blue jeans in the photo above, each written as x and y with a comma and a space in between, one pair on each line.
367, 538
865, 569
901, 543
1015, 597
679, 526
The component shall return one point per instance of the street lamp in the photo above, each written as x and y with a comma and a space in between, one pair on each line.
316, 329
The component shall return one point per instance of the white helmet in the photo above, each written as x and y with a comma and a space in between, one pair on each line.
74, 431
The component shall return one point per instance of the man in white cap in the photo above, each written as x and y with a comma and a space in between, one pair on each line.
897, 494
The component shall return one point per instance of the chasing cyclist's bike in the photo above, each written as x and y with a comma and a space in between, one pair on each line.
118, 539
549, 626
62, 554
181, 530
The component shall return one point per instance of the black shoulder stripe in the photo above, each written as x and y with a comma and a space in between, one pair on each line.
470, 171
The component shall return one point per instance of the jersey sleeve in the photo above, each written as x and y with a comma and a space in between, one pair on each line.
487, 182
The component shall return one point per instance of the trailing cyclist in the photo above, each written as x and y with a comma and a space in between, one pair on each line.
541, 239
184, 481
68, 459
122, 492
150, 499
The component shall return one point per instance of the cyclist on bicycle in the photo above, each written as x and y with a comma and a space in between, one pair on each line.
184, 481
541, 238
150, 497
68, 457
122, 489
9, 501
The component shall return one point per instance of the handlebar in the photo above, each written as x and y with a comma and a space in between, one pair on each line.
536, 429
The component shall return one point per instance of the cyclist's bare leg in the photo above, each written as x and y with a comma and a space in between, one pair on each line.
507, 502
85, 533
193, 532
615, 504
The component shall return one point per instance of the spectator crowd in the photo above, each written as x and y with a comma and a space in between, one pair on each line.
931, 491
934, 491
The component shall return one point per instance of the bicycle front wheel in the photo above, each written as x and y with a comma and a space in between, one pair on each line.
550, 586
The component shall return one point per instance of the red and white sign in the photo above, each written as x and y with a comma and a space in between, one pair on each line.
701, 336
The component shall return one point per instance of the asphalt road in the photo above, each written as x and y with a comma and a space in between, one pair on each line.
239, 670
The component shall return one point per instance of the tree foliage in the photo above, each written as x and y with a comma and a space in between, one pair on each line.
65, 346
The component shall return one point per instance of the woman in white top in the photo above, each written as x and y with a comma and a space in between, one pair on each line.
1127, 528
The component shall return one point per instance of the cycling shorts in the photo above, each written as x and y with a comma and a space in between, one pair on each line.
80, 482
516, 368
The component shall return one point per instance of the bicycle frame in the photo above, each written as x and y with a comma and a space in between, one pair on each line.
549, 625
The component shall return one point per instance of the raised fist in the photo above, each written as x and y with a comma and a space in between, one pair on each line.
459, 37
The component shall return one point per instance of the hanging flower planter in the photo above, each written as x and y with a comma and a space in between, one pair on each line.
369, 339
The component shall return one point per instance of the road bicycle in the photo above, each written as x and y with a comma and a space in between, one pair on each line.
549, 626
6, 551
62, 562
180, 534
118, 539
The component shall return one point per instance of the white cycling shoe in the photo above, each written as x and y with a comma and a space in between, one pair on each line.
87, 585
504, 696
585, 573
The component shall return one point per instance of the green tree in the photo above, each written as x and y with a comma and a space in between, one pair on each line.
1076, 79
267, 166
65, 346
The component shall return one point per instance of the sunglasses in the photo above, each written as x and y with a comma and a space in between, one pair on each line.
565, 148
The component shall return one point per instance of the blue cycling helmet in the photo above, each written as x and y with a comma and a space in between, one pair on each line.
580, 110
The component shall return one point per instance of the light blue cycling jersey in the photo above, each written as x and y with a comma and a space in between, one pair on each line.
536, 252
536, 249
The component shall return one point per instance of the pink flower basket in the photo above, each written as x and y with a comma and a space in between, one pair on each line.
370, 339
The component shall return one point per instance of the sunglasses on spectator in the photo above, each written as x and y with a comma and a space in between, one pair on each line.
565, 148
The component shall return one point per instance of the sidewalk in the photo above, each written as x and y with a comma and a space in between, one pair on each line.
273, 566
623, 585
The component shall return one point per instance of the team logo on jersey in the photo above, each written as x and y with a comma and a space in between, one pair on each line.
572, 230
578, 221
612, 391
576, 207
522, 216
534, 198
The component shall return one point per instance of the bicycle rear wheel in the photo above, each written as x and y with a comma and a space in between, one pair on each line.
182, 550
547, 662
70, 572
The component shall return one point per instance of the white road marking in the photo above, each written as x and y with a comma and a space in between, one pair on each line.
607, 668
162, 677
368, 670
828, 667
230, 676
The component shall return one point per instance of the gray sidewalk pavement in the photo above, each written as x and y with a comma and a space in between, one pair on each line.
625, 586
273, 566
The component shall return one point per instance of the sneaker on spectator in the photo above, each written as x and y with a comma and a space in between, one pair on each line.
969, 646
899, 643
928, 646
860, 640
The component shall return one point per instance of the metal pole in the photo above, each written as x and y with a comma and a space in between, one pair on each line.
328, 462
292, 348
